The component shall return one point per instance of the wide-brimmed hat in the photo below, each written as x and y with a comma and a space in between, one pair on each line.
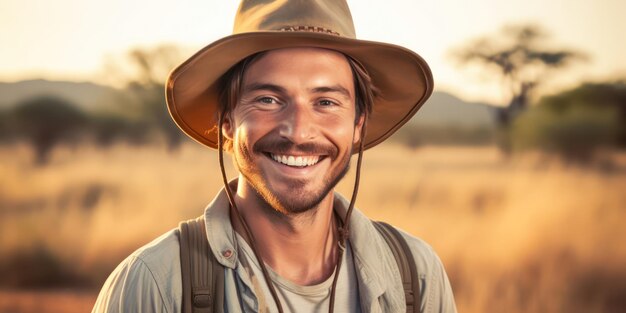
402, 77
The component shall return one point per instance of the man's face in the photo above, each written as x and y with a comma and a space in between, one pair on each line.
294, 126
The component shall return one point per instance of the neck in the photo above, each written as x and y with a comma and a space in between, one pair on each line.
298, 247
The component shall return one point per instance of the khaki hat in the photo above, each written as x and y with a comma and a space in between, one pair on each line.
402, 77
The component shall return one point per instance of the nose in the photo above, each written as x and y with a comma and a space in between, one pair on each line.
298, 124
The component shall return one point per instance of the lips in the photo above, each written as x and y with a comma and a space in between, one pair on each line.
296, 161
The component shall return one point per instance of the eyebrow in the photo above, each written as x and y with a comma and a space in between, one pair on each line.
278, 89
263, 86
335, 88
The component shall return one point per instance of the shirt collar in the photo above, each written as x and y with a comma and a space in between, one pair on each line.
220, 232
377, 271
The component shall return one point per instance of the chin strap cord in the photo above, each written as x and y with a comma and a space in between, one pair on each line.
343, 231
233, 205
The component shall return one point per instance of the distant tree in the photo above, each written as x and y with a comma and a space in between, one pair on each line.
151, 67
607, 96
106, 128
153, 113
518, 56
6, 132
575, 134
45, 121
575, 124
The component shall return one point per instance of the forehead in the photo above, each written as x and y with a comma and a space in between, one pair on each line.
301, 67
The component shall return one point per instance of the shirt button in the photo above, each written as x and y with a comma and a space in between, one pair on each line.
227, 253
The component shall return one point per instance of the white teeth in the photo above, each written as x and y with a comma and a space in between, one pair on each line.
297, 161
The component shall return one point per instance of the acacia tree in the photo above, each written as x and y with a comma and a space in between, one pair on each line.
45, 121
144, 71
521, 61
152, 66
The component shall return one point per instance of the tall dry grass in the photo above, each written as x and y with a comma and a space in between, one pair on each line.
522, 235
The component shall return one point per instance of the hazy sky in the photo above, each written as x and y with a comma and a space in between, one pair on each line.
69, 39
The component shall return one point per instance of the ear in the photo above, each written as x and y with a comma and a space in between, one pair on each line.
357, 129
228, 129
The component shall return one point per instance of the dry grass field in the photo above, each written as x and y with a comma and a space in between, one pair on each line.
527, 234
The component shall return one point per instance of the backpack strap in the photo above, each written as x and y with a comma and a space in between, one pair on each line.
406, 265
202, 275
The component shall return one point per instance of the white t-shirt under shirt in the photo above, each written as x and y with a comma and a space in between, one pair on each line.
302, 299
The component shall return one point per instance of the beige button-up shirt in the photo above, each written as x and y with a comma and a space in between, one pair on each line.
149, 280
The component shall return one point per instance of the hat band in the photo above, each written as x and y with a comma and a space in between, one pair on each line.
315, 29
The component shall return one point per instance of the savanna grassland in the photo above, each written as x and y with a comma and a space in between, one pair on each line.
523, 234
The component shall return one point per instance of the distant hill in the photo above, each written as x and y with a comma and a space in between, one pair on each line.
442, 109
85, 95
447, 120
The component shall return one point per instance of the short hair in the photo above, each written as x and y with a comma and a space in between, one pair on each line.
230, 87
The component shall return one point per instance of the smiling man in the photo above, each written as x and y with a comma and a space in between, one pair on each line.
292, 95
293, 129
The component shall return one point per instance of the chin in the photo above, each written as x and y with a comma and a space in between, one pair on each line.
299, 205
297, 198
294, 200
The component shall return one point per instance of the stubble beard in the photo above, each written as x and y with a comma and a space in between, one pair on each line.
298, 200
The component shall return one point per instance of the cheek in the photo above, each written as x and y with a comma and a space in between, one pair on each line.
250, 127
341, 128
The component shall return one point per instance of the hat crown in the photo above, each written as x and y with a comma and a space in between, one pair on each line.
327, 16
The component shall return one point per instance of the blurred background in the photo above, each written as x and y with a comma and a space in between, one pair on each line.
514, 170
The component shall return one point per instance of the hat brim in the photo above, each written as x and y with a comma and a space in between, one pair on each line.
403, 78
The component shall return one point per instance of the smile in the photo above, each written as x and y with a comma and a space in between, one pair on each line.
297, 161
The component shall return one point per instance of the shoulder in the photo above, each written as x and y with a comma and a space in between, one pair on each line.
147, 280
425, 257
435, 286
161, 255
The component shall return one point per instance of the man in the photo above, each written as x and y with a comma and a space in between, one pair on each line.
292, 94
